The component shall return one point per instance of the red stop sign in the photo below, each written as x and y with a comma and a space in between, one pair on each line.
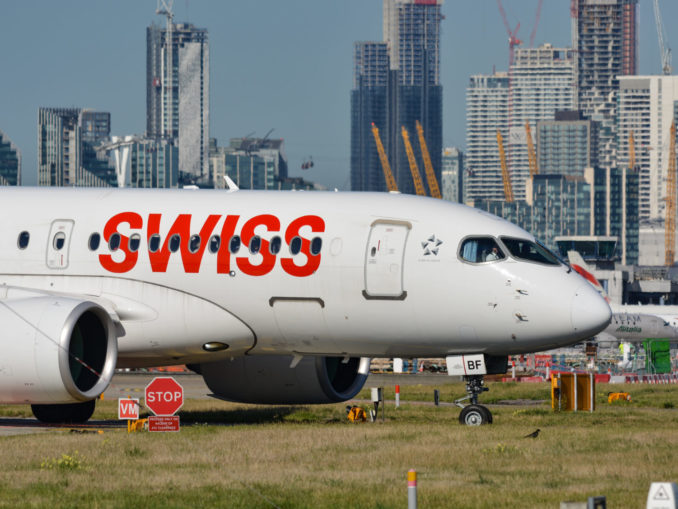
164, 396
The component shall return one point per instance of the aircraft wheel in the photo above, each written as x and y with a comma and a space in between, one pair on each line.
475, 415
69, 413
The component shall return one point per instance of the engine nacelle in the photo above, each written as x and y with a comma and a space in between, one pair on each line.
269, 379
55, 349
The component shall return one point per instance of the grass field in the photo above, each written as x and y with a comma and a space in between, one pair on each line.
248, 456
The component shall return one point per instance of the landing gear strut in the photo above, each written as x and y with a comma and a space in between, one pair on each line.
474, 414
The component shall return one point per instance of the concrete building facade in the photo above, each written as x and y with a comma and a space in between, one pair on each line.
177, 94
606, 42
452, 175
10, 162
66, 156
486, 111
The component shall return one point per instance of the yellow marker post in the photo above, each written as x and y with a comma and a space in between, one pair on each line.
412, 489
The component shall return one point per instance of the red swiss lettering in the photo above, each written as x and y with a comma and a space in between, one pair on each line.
135, 222
312, 261
182, 226
224, 254
272, 223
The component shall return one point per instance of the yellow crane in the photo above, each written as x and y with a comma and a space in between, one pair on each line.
508, 190
632, 151
416, 176
531, 155
388, 174
670, 231
430, 174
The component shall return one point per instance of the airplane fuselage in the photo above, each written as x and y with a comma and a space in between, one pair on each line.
288, 273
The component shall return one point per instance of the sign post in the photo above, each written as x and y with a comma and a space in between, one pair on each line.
164, 397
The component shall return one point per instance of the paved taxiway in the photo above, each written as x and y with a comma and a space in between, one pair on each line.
133, 385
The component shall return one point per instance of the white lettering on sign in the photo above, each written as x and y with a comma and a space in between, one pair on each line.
163, 396
128, 409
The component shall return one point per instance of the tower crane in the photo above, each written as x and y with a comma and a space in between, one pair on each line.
531, 155
670, 223
664, 51
430, 174
388, 174
508, 189
416, 176
632, 151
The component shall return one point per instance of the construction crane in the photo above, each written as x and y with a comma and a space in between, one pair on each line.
388, 174
416, 176
632, 151
664, 51
508, 190
531, 155
574, 26
430, 174
670, 224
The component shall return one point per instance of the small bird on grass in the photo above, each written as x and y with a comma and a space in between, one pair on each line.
534, 434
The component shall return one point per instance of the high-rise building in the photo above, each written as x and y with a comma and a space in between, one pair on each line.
541, 84
66, 148
452, 175
177, 94
397, 83
153, 163
606, 44
10, 162
567, 145
486, 111
646, 109
252, 163
369, 104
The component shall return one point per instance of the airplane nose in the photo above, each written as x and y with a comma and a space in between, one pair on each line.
590, 312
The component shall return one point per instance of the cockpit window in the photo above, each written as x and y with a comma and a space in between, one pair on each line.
523, 249
480, 250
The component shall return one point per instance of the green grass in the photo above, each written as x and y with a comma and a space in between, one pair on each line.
311, 456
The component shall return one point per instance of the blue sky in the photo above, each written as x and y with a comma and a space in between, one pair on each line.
281, 64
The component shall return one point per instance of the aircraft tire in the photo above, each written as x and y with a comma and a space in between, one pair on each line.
69, 413
475, 415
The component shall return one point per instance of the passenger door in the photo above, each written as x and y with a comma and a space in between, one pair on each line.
58, 243
384, 260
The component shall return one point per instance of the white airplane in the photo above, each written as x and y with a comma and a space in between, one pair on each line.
634, 322
274, 297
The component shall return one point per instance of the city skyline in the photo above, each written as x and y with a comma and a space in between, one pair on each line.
273, 65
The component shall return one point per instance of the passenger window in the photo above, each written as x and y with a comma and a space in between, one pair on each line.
174, 243
480, 250
524, 249
234, 245
154, 243
134, 242
59, 241
215, 243
94, 241
316, 245
114, 242
255, 244
194, 243
295, 246
275, 245
23, 239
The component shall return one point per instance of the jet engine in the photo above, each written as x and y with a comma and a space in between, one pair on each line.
269, 379
55, 349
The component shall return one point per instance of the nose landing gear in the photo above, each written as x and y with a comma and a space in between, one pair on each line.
474, 414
